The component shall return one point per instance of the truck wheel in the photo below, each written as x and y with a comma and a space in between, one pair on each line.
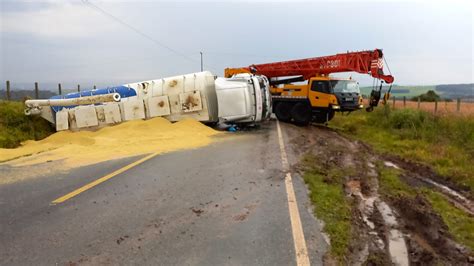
324, 117
283, 111
301, 114
331, 115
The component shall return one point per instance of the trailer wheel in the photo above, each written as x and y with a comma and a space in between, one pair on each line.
301, 114
283, 111
324, 117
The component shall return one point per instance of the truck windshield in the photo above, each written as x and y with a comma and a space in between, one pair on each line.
348, 86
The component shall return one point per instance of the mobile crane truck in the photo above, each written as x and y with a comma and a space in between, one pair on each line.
322, 95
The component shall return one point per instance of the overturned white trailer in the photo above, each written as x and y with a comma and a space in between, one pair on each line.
244, 98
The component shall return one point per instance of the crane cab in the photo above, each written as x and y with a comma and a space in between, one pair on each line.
317, 100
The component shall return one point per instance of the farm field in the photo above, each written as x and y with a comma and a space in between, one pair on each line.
448, 91
444, 108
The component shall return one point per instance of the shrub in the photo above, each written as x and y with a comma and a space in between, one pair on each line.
407, 118
16, 127
429, 96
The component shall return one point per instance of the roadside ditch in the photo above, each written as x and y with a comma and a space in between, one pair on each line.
380, 209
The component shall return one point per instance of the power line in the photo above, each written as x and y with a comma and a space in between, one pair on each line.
390, 72
144, 35
244, 55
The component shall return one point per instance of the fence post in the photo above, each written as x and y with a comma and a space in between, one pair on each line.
8, 90
458, 105
59, 89
419, 100
78, 88
36, 90
394, 102
436, 106
404, 101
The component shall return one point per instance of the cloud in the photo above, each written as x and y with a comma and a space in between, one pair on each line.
57, 20
69, 41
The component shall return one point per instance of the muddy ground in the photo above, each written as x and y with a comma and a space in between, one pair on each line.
386, 229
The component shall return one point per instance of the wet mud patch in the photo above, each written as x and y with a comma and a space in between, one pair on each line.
421, 173
430, 240
246, 212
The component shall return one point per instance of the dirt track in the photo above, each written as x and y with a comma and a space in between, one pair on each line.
385, 228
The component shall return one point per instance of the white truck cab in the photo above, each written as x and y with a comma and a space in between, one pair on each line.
243, 98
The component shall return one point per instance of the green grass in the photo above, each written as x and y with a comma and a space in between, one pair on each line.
446, 143
390, 183
331, 205
16, 127
460, 224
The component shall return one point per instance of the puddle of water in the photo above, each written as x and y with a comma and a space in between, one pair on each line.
390, 164
387, 214
368, 222
367, 209
447, 190
466, 202
397, 248
366, 205
380, 244
396, 243
326, 238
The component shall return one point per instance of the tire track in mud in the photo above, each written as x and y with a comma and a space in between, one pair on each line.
386, 230
455, 197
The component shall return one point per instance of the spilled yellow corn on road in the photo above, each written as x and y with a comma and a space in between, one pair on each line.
132, 138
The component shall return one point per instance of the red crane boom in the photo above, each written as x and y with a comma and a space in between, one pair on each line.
365, 62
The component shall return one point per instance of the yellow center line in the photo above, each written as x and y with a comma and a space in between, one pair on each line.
102, 179
302, 258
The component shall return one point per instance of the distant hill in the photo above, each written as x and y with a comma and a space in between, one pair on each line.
19, 95
456, 90
446, 91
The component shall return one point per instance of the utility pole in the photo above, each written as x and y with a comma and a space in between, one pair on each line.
8, 90
201, 61
36, 90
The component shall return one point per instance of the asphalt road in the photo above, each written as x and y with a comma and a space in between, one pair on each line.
223, 204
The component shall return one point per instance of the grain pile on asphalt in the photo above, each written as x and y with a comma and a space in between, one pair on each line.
127, 139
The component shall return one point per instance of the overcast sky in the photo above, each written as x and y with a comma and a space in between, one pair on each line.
425, 42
